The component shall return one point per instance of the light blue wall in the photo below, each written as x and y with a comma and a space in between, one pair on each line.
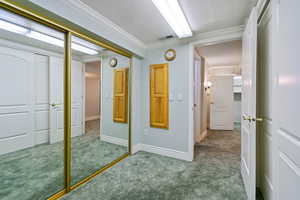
137, 100
109, 127
176, 138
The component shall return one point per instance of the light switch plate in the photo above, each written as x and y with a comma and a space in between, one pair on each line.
180, 97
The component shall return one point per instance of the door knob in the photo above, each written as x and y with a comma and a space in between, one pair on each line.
53, 104
257, 119
245, 117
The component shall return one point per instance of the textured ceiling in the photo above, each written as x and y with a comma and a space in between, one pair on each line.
142, 19
225, 54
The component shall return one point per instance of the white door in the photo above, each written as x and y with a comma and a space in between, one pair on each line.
248, 129
197, 100
56, 78
287, 108
16, 100
56, 99
221, 104
77, 98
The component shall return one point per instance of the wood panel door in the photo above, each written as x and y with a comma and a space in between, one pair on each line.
120, 99
159, 96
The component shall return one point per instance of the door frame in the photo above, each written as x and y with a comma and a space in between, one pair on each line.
217, 37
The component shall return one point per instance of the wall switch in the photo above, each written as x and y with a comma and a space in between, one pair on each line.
179, 97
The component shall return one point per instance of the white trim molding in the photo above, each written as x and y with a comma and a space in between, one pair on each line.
96, 15
162, 151
235, 32
113, 140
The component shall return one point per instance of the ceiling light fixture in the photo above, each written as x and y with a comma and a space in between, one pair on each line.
46, 38
84, 49
13, 27
42, 37
173, 14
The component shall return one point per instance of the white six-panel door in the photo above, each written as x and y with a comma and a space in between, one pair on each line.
248, 126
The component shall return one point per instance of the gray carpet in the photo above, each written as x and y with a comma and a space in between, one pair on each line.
37, 173
213, 175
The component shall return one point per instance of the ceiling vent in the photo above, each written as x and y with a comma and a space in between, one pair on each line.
166, 37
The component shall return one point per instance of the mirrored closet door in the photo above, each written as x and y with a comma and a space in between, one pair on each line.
100, 116
31, 109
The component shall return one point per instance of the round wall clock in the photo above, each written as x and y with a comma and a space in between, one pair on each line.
170, 54
113, 62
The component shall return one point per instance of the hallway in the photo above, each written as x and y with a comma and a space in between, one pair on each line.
214, 174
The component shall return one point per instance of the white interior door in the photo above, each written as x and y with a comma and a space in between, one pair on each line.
287, 98
56, 79
56, 99
16, 100
221, 105
77, 98
197, 100
248, 126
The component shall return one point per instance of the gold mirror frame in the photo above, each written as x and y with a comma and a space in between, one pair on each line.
25, 11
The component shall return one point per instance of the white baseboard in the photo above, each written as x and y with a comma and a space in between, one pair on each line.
136, 148
114, 140
148, 148
92, 118
162, 151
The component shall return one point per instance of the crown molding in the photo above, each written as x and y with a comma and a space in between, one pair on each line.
96, 15
234, 32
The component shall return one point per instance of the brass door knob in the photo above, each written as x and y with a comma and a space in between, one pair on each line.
248, 118
257, 119
53, 104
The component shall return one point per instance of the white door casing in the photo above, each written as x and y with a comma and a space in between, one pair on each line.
248, 126
197, 100
221, 104
16, 100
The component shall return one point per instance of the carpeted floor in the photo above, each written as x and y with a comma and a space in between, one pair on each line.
36, 173
213, 175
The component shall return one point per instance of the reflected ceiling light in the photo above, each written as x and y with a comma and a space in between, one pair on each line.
173, 14
84, 49
13, 27
42, 37
46, 38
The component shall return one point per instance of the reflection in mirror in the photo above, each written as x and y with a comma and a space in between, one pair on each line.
99, 108
31, 109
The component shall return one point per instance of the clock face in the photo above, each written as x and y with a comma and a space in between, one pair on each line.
113, 62
170, 54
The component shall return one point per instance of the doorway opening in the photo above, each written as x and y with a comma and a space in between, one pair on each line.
217, 89
92, 97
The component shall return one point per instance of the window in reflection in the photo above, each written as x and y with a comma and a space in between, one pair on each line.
31, 109
99, 109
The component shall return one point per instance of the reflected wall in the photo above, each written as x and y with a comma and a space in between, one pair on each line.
99, 139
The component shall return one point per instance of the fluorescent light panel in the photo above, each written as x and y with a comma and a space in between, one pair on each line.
173, 14
43, 37
13, 27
